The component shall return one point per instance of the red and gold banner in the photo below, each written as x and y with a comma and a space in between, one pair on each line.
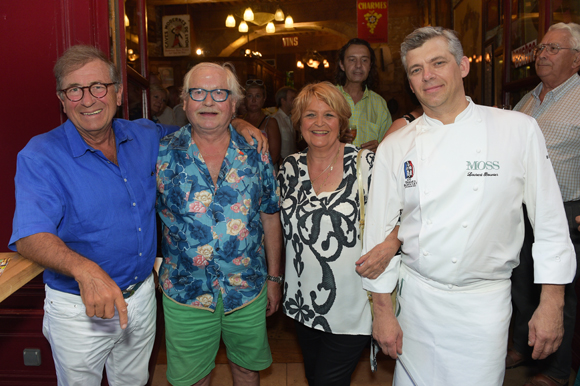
372, 20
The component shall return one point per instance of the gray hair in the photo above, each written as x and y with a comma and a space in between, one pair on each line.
158, 87
78, 56
573, 29
283, 94
421, 35
231, 79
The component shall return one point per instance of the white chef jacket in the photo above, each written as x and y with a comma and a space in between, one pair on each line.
458, 190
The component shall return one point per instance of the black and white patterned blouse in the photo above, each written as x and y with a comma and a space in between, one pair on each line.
321, 234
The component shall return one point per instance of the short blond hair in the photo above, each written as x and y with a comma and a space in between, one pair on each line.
327, 93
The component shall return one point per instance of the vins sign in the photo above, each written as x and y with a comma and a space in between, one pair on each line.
291, 41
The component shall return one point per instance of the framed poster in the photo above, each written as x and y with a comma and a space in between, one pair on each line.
176, 35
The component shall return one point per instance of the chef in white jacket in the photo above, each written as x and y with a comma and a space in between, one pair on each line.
456, 179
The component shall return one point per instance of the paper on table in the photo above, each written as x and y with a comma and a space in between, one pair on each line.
3, 264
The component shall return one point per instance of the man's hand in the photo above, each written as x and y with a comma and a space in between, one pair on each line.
348, 136
373, 264
371, 145
386, 329
578, 221
101, 295
547, 323
249, 132
274, 296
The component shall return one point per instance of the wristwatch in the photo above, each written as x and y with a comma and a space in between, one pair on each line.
275, 279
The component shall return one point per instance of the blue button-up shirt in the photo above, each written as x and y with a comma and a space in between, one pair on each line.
103, 211
213, 237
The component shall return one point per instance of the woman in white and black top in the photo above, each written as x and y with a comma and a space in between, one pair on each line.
320, 218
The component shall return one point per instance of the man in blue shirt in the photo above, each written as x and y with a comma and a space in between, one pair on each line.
85, 210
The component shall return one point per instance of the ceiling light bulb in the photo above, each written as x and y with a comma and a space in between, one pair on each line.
279, 15
248, 14
299, 64
230, 21
270, 28
243, 27
289, 23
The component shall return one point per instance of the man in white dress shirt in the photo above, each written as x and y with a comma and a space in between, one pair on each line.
456, 179
284, 98
554, 105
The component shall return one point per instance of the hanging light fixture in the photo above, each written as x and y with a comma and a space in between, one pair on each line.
243, 28
248, 14
289, 23
270, 28
279, 15
299, 64
230, 21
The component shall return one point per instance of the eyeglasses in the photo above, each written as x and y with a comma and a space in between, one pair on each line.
551, 49
218, 95
76, 93
250, 82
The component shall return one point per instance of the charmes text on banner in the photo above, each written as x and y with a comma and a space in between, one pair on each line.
372, 20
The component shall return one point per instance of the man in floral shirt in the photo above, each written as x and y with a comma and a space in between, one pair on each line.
219, 204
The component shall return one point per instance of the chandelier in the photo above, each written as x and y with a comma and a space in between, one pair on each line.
313, 59
260, 19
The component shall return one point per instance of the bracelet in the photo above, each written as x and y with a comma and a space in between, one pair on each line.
275, 279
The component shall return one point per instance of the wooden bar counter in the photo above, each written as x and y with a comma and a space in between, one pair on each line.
18, 272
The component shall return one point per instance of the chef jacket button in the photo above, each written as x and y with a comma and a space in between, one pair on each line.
450, 286
478, 150
464, 225
454, 260
426, 191
475, 187
429, 222
557, 258
478, 119
423, 158
425, 253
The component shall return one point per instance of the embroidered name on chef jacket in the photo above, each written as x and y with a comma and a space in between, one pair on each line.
409, 170
482, 168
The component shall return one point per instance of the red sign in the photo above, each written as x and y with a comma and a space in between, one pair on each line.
372, 20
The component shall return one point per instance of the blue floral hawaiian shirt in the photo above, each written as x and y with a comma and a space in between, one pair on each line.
213, 238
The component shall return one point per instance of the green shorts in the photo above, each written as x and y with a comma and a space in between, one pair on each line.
193, 335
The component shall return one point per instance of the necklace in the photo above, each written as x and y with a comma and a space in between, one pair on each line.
330, 166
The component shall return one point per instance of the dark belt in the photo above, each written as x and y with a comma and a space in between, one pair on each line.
130, 291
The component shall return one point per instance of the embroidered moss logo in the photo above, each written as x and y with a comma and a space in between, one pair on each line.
483, 166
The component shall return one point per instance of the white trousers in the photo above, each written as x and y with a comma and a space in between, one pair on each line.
452, 336
81, 346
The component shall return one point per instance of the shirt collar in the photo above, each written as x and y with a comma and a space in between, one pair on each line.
559, 91
366, 93
463, 116
78, 145
182, 139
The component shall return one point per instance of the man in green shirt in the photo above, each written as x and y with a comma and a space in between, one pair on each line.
356, 74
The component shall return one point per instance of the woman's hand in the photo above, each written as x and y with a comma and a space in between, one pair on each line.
373, 264
249, 132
